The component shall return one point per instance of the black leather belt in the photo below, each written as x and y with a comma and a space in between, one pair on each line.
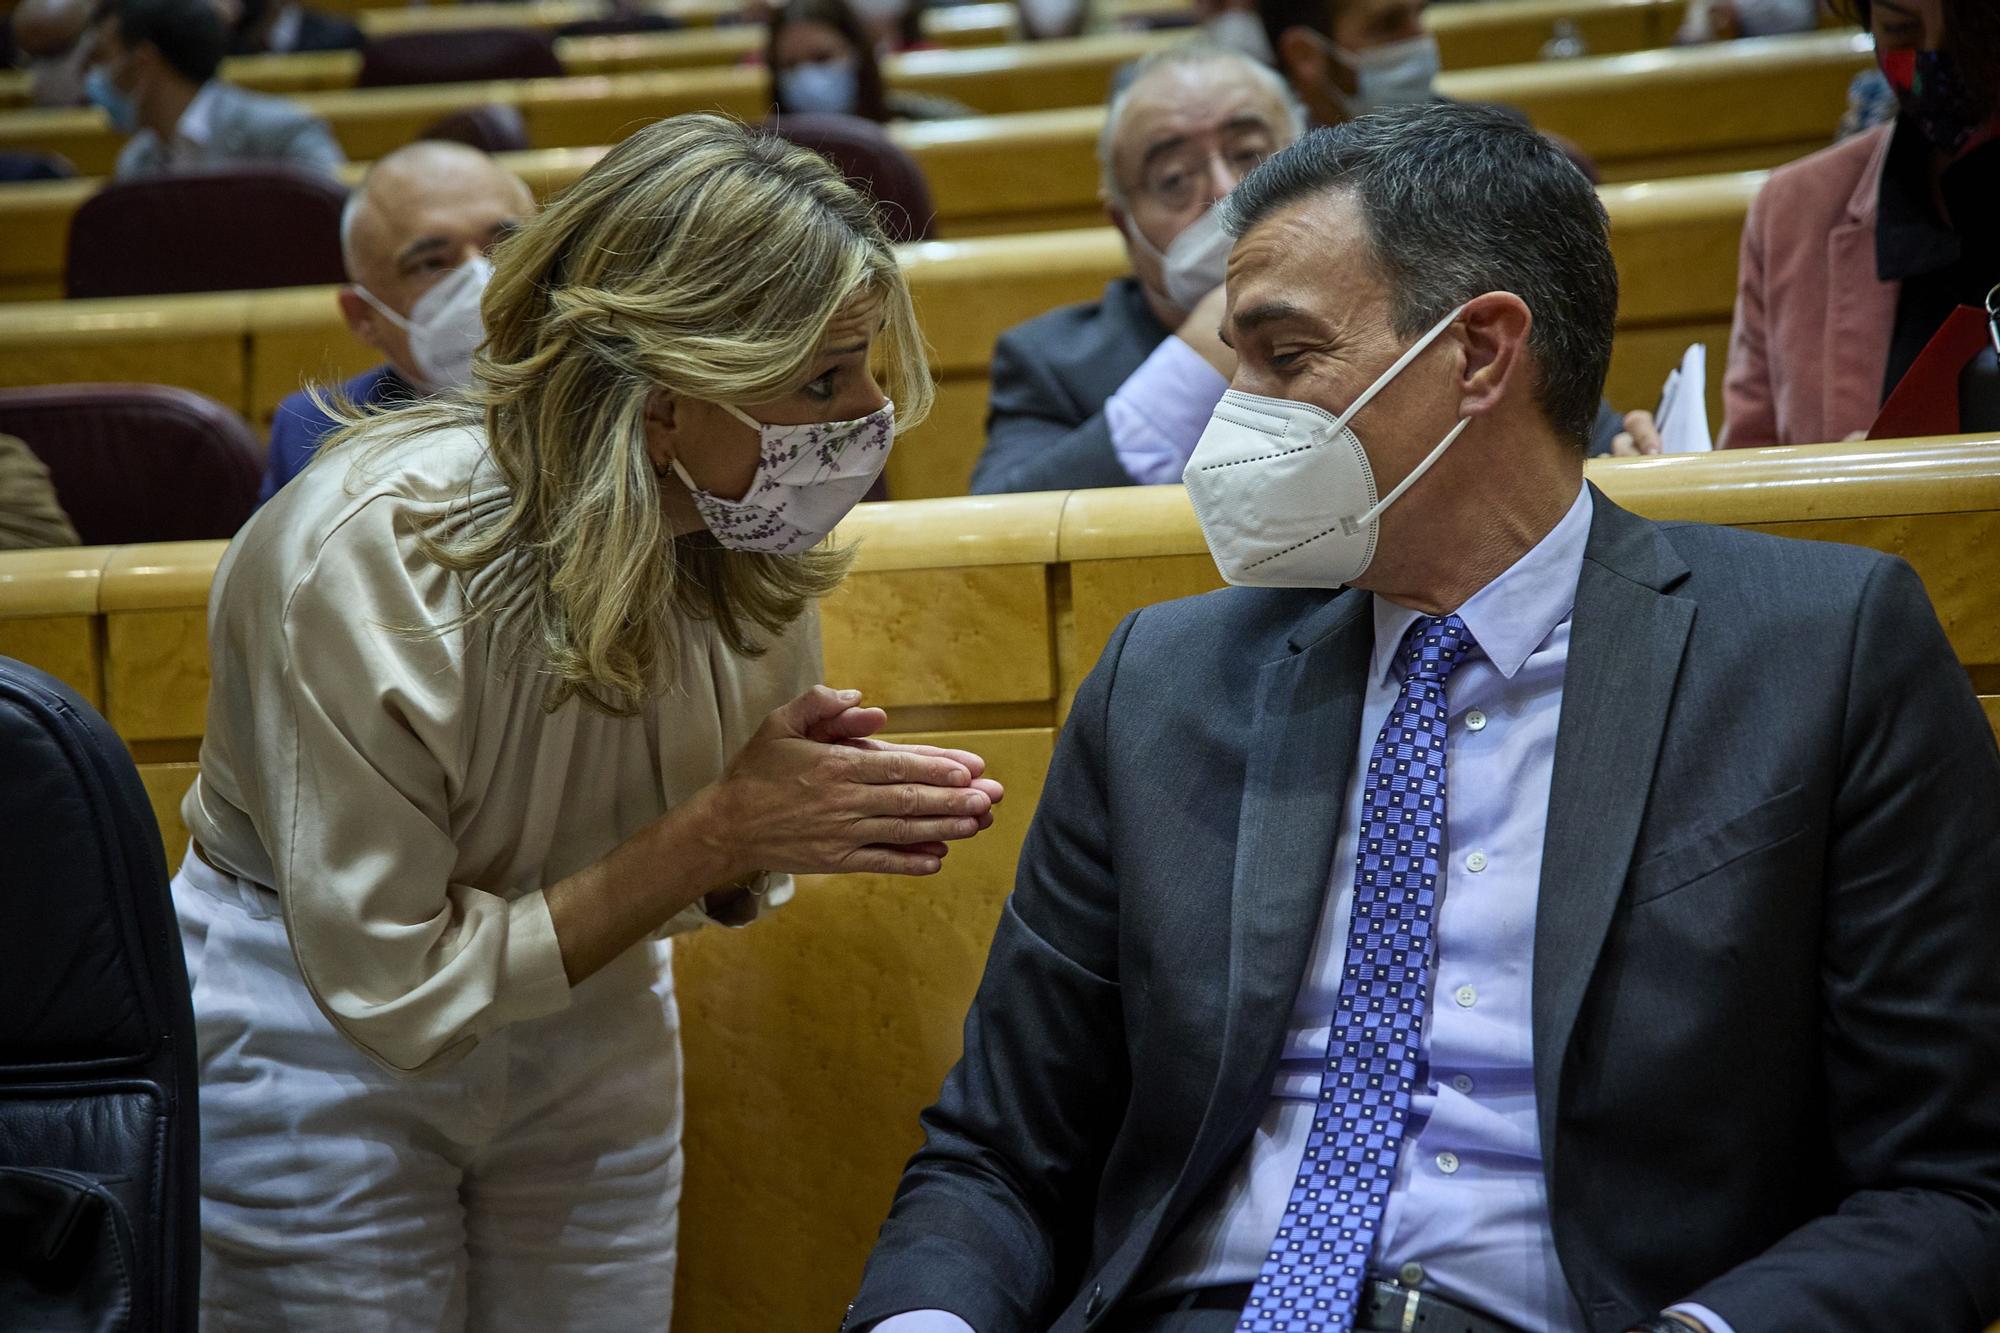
1385, 1308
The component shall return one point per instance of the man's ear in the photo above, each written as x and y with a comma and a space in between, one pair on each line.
1496, 327
363, 320
662, 431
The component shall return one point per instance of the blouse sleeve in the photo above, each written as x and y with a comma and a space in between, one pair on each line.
360, 755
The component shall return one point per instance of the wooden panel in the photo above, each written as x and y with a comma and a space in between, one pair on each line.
34, 222
63, 646
784, 1192
1991, 702
1509, 32
298, 337
196, 342
936, 458
1104, 592
967, 292
1769, 91
1641, 358
935, 637
165, 785
156, 674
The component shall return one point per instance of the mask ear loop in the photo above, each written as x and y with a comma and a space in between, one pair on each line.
1352, 525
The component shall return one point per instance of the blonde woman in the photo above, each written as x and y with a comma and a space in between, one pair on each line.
506, 688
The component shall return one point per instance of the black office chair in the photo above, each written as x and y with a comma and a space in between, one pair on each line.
99, 1167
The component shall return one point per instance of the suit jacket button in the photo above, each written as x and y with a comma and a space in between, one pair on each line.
1095, 1305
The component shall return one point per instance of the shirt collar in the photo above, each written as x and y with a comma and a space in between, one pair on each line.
197, 123
1511, 616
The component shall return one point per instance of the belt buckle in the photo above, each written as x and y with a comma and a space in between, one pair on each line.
1412, 1298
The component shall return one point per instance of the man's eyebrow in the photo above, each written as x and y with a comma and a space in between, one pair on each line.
1270, 312
1160, 146
420, 247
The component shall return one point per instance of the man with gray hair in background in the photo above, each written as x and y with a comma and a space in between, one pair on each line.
414, 238
1498, 911
1115, 391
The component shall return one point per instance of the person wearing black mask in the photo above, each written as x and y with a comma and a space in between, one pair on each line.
1856, 260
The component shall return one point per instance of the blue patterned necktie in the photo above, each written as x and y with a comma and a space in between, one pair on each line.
1313, 1276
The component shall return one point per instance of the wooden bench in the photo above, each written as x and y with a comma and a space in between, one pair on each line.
1760, 103
1501, 32
862, 981
1675, 242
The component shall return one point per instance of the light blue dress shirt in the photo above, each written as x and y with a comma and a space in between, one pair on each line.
1468, 1215
1160, 411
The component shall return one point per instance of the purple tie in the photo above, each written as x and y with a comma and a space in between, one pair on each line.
1318, 1264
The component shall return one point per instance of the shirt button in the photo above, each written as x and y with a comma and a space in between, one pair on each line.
1476, 862
1447, 1162
1410, 1275
1466, 997
1475, 721
1462, 1082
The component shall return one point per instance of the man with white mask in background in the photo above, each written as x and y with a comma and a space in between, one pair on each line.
1346, 58
1499, 912
414, 237
1115, 392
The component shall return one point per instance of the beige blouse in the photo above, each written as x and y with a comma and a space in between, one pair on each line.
407, 795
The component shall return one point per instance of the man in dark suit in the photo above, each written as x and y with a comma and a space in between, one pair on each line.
1575, 922
1114, 392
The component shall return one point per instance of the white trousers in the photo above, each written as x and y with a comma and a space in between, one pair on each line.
533, 1185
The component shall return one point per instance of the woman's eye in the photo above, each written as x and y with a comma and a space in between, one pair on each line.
822, 388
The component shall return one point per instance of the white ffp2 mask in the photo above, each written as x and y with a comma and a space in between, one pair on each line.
1394, 74
1194, 262
1284, 491
808, 477
444, 325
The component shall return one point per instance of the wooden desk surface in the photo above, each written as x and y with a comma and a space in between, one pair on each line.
1761, 102
1499, 32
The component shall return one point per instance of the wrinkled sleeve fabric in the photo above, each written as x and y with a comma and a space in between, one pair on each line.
1160, 411
1038, 437
367, 713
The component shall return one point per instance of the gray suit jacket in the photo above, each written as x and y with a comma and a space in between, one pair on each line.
245, 129
1767, 951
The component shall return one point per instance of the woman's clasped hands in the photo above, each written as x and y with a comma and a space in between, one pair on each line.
813, 792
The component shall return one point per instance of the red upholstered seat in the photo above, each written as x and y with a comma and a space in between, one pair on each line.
868, 157
211, 231
139, 462
458, 55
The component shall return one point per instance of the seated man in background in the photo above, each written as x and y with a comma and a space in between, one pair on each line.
153, 74
1346, 58
54, 36
1115, 392
414, 237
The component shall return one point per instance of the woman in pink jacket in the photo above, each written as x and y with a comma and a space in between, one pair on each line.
1854, 257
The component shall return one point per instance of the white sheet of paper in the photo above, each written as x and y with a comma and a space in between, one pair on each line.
1683, 416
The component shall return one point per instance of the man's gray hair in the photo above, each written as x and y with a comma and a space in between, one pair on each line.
1459, 201
1181, 55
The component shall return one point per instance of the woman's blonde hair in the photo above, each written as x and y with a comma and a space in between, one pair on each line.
701, 258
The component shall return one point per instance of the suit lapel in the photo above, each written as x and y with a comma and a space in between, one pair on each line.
1626, 639
1307, 723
